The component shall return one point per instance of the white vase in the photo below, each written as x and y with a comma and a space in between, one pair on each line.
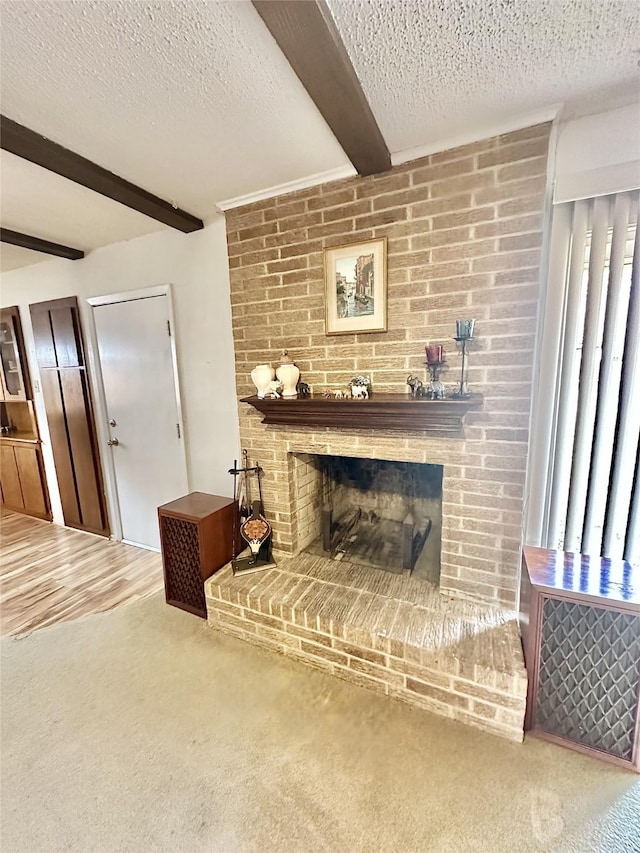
261, 376
288, 374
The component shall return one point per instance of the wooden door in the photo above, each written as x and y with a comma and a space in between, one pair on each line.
136, 362
67, 398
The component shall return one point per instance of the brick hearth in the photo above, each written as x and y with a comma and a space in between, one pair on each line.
394, 634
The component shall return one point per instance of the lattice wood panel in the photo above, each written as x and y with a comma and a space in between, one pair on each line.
589, 678
182, 563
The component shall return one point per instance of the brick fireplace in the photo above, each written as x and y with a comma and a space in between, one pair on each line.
463, 229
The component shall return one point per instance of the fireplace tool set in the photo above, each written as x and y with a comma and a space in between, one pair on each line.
254, 527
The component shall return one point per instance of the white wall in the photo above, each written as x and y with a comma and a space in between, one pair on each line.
196, 266
598, 154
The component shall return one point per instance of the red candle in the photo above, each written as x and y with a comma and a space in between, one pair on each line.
434, 353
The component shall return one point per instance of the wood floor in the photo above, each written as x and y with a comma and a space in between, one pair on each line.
53, 574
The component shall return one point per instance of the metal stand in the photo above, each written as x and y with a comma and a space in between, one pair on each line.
462, 394
262, 558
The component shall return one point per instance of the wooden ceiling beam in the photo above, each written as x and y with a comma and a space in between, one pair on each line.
32, 146
307, 35
36, 244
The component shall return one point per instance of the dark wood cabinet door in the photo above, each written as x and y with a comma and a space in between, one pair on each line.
67, 397
11, 491
31, 481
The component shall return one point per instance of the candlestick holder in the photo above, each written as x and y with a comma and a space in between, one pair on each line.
462, 393
436, 385
464, 333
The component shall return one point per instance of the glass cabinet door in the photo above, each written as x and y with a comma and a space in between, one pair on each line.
12, 381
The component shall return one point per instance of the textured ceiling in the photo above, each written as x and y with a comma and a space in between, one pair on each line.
190, 100
436, 69
194, 102
65, 212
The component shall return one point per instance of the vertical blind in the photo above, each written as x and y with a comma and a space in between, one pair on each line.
584, 489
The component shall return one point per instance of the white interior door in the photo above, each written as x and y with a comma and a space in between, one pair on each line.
136, 361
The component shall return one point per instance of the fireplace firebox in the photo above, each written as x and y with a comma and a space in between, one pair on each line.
373, 512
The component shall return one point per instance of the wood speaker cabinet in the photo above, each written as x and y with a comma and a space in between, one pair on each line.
196, 535
580, 622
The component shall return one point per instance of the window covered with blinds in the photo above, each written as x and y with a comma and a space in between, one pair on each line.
589, 385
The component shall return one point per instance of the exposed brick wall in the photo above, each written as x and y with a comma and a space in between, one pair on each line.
464, 230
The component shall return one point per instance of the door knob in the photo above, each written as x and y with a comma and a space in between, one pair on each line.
113, 442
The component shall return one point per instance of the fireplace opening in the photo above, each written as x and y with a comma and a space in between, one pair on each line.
373, 512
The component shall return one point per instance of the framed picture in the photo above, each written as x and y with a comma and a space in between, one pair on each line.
355, 279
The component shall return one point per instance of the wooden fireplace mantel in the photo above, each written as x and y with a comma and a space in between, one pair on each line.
381, 411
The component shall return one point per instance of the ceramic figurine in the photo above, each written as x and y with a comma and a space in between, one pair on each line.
360, 382
359, 392
273, 389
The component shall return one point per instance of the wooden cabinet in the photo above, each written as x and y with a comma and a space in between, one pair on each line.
196, 534
580, 623
11, 490
14, 376
24, 487
32, 483
23, 484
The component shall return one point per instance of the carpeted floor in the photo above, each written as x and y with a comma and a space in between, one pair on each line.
142, 730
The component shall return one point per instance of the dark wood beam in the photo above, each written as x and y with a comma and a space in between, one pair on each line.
36, 148
26, 241
307, 35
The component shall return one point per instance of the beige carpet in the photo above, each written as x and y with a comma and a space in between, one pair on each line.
142, 730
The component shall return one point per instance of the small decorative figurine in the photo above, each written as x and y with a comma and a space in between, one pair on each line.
303, 389
417, 388
360, 387
273, 389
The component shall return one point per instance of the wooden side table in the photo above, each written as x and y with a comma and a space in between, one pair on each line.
580, 623
196, 536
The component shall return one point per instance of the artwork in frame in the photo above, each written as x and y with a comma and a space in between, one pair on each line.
355, 278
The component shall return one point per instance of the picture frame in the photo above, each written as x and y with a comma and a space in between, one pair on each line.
355, 277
